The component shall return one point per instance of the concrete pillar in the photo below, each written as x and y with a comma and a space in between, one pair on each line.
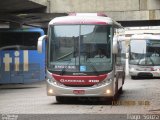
149, 4
41, 2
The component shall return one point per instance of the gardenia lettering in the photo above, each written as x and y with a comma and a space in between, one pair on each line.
63, 80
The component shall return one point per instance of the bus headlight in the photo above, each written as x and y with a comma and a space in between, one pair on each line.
52, 81
50, 91
108, 91
132, 69
104, 82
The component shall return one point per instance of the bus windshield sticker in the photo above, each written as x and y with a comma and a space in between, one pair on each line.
64, 66
82, 68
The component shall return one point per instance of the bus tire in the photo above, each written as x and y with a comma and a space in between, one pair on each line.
123, 78
65, 99
108, 100
133, 77
115, 97
120, 90
60, 99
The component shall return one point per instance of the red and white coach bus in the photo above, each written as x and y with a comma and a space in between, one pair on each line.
83, 57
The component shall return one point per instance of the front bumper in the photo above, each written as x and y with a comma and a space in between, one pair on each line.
94, 91
144, 73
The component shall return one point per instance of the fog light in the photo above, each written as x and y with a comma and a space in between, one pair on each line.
50, 91
108, 91
158, 69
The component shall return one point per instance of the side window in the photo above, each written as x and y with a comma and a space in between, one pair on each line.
123, 52
30, 40
118, 56
121, 56
19, 40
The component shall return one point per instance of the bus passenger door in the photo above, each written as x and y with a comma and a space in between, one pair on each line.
5, 70
16, 66
120, 65
10, 72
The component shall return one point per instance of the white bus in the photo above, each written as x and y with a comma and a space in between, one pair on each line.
144, 56
83, 59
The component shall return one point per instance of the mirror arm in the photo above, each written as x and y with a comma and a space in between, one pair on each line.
40, 43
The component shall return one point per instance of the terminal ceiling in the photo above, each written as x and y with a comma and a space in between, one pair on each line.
30, 13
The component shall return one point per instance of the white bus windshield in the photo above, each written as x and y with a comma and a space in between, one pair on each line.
145, 52
80, 48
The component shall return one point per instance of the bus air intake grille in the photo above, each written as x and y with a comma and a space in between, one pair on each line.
145, 74
79, 85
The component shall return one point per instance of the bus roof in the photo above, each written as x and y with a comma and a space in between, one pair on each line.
138, 37
84, 18
39, 30
140, 31
145, 36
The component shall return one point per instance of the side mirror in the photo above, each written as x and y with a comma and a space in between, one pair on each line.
115, 45
127, 55
40, 43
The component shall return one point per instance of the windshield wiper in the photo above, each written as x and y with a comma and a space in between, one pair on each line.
140, 58
145, 59
151, 60
94, 68
64, 69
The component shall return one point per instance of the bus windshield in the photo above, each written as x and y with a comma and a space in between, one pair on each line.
14, 40
80, 48
19, 60
145, 52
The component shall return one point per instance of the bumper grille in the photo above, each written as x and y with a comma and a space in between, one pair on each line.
145, 74
78, 85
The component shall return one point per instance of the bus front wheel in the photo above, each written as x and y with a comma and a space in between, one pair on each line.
60, 99
120, 90
65, 99
133, 77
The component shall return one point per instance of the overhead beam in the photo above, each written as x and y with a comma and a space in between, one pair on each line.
41, 2
11, 18
140, 23
19, 6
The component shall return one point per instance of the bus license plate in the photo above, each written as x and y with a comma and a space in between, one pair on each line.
79, 91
